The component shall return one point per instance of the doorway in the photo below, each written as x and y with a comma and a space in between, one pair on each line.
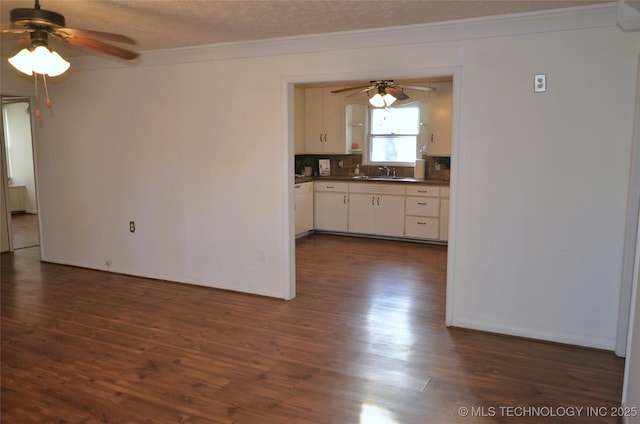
296, 147
20, 173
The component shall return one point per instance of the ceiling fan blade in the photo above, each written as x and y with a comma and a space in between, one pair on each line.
398, 94
24, 42
102, 47
85, 33
342, 90
362, 91
14, 30
416, 87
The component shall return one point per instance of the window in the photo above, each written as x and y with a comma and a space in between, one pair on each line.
394, 134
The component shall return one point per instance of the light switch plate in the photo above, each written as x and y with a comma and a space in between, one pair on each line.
540, 83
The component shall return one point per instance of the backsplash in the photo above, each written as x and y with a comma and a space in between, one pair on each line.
437, 168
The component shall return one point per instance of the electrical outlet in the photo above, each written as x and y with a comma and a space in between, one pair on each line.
540, 83
132, 226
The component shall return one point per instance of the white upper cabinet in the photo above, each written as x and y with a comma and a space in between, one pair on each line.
440, 110
324, 121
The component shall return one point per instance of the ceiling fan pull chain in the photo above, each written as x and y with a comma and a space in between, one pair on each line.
35, 77
46, 90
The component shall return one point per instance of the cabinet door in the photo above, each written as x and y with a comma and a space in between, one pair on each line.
390, 215
440, 109
304, 207
314, 120
330, 211
444, 219
324, 121
362, 213
334, 122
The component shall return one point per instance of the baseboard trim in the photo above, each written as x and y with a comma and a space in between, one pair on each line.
583, 342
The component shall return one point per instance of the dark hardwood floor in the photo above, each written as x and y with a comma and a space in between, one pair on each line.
363, 342
24, 227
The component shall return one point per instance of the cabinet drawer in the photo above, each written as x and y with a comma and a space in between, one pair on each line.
422, 206
421, 227
444, 191
330, 186
376, 188
303, 188
430, 191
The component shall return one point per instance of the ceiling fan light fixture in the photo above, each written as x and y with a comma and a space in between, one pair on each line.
377, 100
41, 61
382, 100
389, 99
23, 61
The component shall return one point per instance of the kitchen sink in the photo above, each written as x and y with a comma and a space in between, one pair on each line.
382, 178
392, 179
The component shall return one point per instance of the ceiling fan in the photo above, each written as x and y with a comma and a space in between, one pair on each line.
387, 92
35, 57
39, 24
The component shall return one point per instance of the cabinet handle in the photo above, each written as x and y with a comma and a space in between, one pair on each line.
330, 187
422, 203
422, 223
372, 198
344, 199
422, 191
378, 200
432, 137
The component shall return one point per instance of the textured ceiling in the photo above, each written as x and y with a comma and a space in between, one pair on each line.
165, 24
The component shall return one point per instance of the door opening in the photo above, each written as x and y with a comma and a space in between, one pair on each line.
19, 168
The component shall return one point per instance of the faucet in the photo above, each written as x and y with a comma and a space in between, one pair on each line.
388, 170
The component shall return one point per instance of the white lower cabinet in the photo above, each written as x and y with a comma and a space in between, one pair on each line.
394, 209
376, 209
376, 214
423, 212
331, 206
444, 214
304, 208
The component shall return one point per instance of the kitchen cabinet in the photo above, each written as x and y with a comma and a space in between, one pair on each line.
423, 212
324, 121
440, 112
444, 213
331, 206
376, 209
304, 208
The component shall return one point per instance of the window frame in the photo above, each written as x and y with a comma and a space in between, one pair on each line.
420, 136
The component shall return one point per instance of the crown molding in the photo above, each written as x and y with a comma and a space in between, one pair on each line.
576, 18
629, 15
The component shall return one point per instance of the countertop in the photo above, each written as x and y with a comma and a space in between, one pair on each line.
372, 180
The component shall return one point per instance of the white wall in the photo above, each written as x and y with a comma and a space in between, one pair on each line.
631, 390
539, 181
4, 198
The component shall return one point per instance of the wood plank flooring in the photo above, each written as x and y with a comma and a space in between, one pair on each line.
24, 227
363, 342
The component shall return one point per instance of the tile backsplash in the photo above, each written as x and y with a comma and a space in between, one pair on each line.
437, 168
